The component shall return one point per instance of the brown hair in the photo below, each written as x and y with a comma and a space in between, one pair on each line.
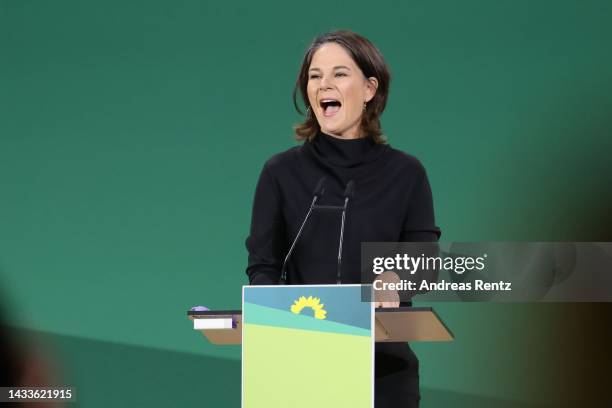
369, 60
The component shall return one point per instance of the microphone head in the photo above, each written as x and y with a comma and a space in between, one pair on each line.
350, 189
320, 188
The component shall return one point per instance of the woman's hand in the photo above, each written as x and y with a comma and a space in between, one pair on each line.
387, 298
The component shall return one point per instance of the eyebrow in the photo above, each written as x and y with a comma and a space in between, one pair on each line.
336, 67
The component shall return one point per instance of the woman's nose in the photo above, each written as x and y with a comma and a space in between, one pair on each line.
325, 83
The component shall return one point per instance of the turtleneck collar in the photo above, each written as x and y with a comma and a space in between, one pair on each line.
346, 152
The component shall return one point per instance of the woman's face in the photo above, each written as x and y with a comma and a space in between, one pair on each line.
337, 90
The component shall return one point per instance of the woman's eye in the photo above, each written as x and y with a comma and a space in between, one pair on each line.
314, 76
340, 74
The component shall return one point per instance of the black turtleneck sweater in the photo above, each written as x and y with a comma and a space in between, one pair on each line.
392, 202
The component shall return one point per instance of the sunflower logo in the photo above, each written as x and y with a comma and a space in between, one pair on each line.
311, 302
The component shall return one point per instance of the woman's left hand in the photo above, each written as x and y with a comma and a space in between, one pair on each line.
387, 298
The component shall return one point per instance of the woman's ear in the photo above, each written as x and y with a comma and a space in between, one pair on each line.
371, 87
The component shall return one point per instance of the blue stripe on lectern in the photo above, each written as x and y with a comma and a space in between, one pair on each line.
269, 316
342, 303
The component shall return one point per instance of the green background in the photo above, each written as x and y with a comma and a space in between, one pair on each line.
132, 135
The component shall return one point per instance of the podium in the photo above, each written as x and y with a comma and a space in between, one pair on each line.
397, 324
313, 345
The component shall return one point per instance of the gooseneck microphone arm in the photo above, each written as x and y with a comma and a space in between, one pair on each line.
318, 192
348, 193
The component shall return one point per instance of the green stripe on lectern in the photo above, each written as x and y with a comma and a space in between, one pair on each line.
269, 316
305, 369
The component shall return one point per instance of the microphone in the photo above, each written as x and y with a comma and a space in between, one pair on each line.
348, 194
317, 193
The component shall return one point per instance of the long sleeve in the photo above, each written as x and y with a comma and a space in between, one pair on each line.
420, 226
266, 238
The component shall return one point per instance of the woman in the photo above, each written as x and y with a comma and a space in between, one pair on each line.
344, 83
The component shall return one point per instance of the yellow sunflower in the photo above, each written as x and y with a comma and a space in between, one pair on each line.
311, 302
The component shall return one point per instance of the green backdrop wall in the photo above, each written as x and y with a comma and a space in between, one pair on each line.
132, 135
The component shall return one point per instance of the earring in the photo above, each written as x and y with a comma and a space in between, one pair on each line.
308, 111
365, 105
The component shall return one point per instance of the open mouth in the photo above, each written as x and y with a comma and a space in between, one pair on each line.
330, 106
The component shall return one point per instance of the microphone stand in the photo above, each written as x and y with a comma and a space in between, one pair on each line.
348, 193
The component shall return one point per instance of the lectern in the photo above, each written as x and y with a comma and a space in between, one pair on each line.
312, 346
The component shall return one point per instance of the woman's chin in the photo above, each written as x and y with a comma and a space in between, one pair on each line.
328, 130
331, 129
